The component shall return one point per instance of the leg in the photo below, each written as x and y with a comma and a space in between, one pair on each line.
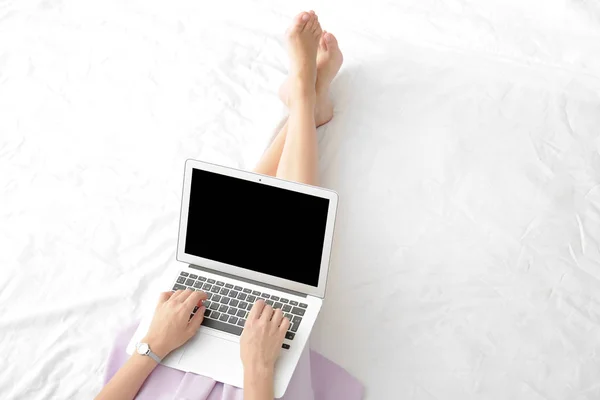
329, 61
299, 156
269, 162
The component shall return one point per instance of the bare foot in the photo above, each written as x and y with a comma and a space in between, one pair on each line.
303, 42
329, 62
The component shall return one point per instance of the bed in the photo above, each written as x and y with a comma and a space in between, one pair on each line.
464, 147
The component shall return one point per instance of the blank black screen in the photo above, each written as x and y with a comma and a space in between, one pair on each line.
255, 226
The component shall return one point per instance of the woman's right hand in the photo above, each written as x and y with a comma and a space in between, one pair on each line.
262, 337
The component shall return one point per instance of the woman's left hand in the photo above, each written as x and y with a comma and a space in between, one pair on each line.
171, 325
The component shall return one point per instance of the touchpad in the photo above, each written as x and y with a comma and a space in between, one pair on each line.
214, 357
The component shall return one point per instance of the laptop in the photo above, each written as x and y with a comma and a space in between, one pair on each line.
243, 237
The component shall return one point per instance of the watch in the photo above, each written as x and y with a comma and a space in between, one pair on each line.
144, 350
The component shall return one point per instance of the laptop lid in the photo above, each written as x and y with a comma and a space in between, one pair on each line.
257, 227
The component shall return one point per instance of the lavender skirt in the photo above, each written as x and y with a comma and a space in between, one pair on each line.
315, 378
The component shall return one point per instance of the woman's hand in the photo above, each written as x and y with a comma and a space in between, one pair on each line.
262, 338
171, 325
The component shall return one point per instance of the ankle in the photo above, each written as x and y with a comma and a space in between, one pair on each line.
302, 94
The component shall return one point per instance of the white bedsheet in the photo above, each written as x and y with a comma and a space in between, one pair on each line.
465, 149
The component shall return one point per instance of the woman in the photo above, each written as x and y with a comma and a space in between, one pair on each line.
315, 60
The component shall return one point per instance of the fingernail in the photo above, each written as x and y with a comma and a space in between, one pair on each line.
305, 17
328, 38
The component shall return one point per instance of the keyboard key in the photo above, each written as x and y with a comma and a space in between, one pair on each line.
233, 294
181, 279
241, 322
219, 283
201, 278
207, 304
265, 296
287, 308
198, 285
192, 276
214, 314
223, 308
232, 320
243, 305
288, 316
269, 302
241, 313
242, 296
294, 327
184, 273
297, 319
256, 293
211, 281
249, 306
251, 299
232, 311
189, 282
238, 288
285, 346
247, 291
223, 317
229, 286
215, 289
224, 292
277, 305
294, 303
206, 287
234, 303
178, 287
208, 295
214, 306
303, 305
290, 335
275, 298
225, 300
298, 311
207, 313
216, 297
284, 301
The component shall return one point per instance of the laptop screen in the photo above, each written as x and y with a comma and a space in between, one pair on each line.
259, 227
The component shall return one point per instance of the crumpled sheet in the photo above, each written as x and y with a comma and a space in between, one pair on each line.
465, 150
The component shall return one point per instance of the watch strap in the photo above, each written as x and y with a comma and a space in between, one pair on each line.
154, 356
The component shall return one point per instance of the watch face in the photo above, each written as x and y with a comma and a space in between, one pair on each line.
143, 348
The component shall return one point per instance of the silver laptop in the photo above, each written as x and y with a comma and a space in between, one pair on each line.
244, 237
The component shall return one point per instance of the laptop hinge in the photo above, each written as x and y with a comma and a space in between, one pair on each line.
239, 278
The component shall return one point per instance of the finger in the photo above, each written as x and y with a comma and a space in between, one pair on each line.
267, 313
196, 321
256, 310
194, 299
164, 296
175, 295
277, 317
183, 296
285, 325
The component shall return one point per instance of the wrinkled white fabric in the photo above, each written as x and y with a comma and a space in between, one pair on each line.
465, 149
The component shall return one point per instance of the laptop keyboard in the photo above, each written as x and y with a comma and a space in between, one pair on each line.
228, 306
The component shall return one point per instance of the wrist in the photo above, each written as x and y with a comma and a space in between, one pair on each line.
259, 372
156, 346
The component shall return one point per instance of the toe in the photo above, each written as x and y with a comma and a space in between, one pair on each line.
330, 40
322, 42
310, 23
300, 21
317, 29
